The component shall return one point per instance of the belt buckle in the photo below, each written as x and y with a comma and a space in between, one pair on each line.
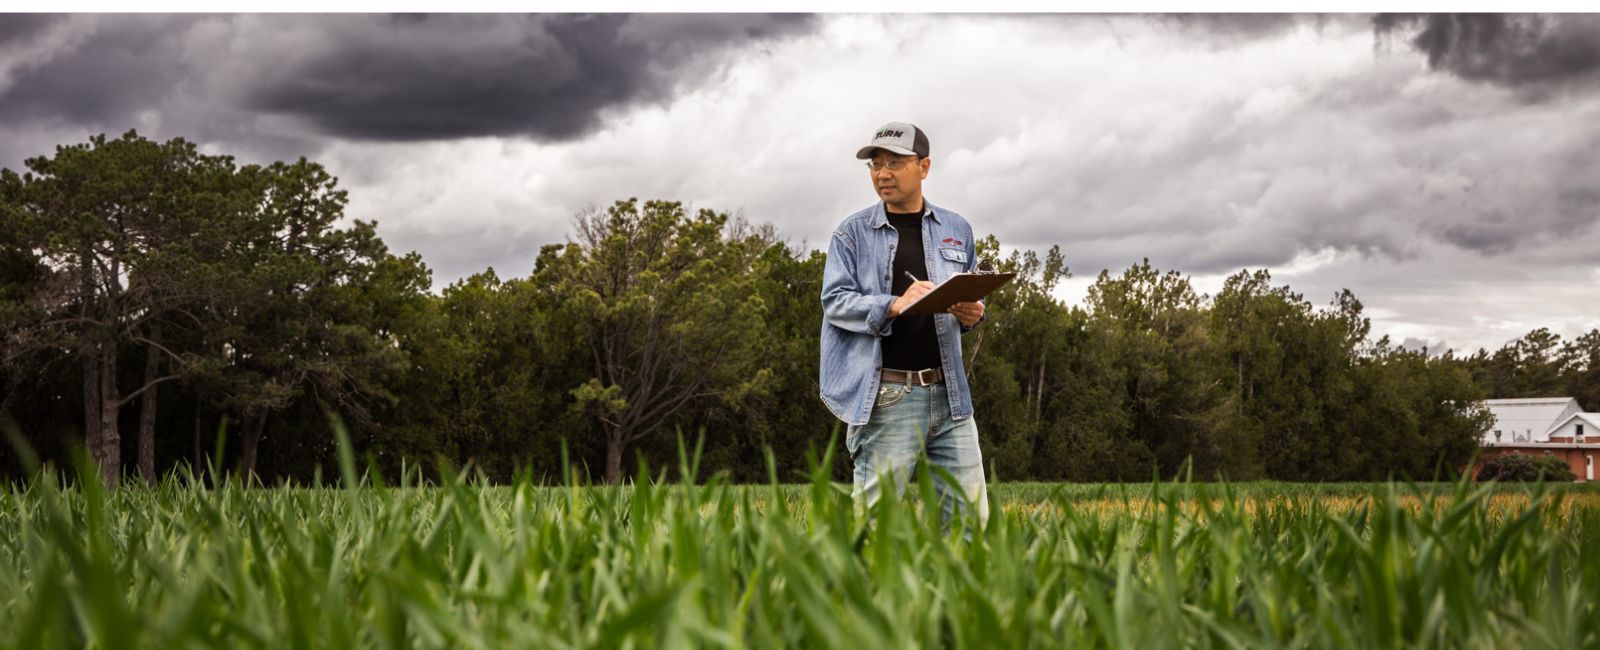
921, 380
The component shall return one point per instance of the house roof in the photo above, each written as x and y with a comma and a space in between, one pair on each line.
1530, 417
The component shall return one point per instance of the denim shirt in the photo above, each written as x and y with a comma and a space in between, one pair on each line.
855, 304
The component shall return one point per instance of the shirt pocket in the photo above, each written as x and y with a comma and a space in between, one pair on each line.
954, 255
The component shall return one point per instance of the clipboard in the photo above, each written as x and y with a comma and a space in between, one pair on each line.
961, 287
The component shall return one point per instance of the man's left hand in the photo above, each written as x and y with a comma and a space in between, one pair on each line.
967, 312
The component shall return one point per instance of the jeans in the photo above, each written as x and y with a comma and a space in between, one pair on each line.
908, 421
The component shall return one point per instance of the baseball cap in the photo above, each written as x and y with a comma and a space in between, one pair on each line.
898, 137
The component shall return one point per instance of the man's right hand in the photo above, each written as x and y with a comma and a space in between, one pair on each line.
917, 290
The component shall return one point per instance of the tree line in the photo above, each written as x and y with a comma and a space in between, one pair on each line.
220, 312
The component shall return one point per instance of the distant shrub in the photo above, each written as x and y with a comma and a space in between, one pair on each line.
1523, 467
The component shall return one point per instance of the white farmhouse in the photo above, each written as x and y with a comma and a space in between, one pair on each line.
1553, 426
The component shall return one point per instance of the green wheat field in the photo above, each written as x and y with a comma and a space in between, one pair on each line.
459, 564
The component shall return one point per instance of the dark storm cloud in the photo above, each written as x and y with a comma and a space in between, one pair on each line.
441, 77
271, 84
1238, 26
126, 66
1507, 49
21, 27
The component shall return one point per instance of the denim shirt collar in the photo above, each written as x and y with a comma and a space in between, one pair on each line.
880, 213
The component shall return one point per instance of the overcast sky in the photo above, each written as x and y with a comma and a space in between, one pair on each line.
1446, 170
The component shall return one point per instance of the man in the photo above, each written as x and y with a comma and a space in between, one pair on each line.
897, 380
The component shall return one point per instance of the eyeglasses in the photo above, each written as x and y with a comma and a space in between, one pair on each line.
892, 164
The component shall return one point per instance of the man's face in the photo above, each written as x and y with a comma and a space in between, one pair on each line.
897, 185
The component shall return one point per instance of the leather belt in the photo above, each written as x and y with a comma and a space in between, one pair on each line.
924, 377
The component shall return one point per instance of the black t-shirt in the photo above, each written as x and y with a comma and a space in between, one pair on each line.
913, 344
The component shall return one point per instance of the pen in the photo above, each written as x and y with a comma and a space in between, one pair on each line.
914, 279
